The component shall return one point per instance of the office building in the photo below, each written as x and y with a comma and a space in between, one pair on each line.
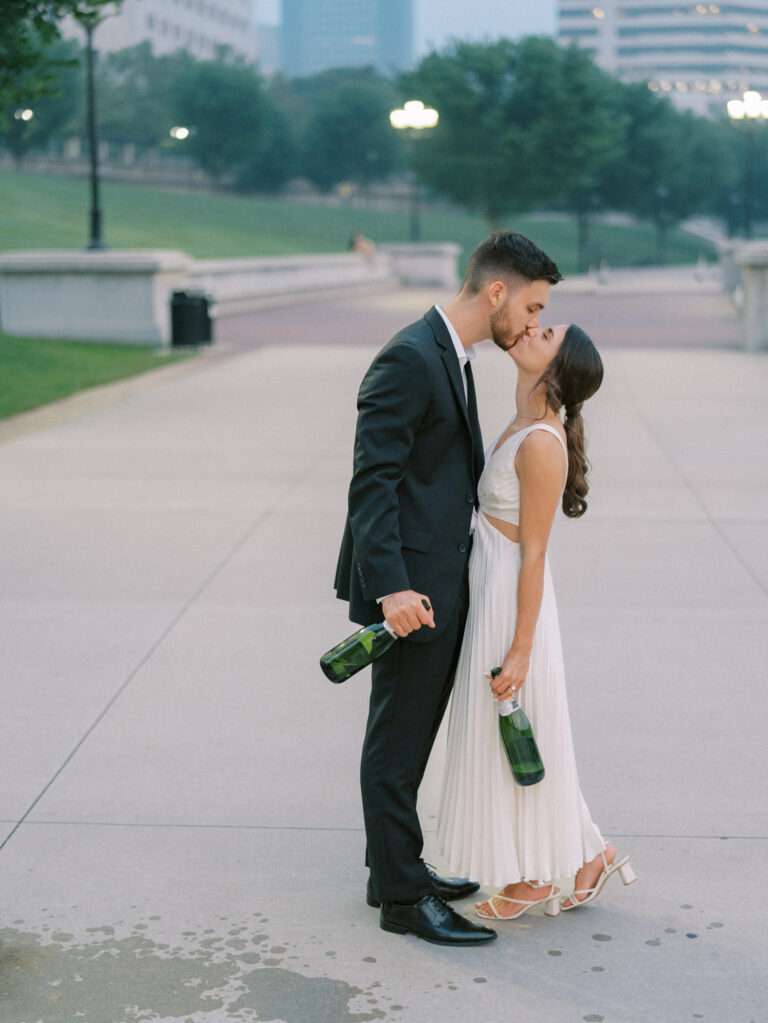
198, 26
322, 34
699, 54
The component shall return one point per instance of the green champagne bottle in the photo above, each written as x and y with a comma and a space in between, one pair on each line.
519, 743
357, 651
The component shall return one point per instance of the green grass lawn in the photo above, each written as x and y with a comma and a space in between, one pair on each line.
34, 372
39, 211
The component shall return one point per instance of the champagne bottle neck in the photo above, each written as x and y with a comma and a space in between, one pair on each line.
507, 707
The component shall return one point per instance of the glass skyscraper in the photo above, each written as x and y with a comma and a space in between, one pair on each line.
321, 34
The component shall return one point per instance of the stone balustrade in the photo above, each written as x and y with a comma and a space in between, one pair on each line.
125, 295
752, 261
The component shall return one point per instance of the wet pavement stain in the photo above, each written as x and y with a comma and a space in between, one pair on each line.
602, 937
133, 978
294, 998
654, 941
593, 1018
598, 969
51, 982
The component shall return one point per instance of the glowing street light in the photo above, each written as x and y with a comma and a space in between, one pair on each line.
751, 107
179, 132
413, 118
23, 115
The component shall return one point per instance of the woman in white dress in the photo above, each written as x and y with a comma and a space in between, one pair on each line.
489, 827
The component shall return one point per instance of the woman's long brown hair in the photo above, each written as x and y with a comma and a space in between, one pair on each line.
572, 378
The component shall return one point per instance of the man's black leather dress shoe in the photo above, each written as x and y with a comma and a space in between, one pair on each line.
433, 920
448, 888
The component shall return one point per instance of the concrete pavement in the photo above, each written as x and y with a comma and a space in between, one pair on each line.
181, 830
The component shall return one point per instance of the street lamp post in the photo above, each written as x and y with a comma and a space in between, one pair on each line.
752, 109
414, 119
90, 23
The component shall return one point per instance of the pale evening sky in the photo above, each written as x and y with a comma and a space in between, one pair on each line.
438, 20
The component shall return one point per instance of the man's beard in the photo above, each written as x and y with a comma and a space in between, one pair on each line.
501, 338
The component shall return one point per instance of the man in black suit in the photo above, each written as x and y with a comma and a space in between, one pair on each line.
404, 556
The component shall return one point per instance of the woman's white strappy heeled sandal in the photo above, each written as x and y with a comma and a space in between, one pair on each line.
551, 904
622, 866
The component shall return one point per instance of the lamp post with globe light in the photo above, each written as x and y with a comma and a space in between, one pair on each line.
751, 109
413, 119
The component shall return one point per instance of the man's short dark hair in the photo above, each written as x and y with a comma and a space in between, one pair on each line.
507, 252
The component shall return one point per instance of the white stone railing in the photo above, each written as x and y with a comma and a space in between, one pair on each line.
125, 295
91, 296
425, 265
752, 261
242, 285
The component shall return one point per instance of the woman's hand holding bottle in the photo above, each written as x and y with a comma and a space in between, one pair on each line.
514, 671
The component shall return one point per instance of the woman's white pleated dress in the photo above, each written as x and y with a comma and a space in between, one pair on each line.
490, 828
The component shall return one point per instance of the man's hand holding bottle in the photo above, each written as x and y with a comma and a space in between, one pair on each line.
408, 611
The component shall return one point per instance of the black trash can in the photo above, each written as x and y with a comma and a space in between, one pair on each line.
190, 318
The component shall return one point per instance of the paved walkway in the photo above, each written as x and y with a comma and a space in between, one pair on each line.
181, 828
673, 308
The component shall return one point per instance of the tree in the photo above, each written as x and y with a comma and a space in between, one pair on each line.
136, 95
274, 159
225, 106
570, 118
739, 193
475, 156
347, 133
521, 123
29, 29
56, 112
659, 177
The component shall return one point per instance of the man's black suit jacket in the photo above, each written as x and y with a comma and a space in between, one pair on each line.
417, 459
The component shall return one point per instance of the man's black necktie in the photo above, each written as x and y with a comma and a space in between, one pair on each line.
478, 456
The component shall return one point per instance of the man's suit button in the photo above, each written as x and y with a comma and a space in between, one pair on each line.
470, 499
462, 548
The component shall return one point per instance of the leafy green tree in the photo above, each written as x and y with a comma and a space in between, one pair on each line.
225, 106
347, 135
521, 124
136, 95
477, 155
29, 29
570, 118
739, 194
56, 112
274, 159
659, 177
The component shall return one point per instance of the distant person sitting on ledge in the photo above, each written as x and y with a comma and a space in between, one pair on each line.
359, 243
